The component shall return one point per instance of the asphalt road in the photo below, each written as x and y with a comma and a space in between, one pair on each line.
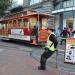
15, 59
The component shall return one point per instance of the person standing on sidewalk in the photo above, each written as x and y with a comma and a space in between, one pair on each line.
50, 48
64, 34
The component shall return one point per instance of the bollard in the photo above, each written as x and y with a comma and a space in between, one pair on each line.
56, 58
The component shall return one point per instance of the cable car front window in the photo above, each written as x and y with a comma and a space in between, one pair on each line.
32, 23
44, 23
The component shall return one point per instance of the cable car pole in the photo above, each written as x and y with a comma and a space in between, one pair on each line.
38, 25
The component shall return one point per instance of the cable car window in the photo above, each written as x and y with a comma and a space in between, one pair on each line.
32, 22
10, 24
25, 21
19, 22
0, 26
14, 23
3, 26
6, 25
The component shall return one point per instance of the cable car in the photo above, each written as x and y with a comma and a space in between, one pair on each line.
28, 26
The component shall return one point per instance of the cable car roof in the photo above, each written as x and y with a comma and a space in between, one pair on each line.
26, 16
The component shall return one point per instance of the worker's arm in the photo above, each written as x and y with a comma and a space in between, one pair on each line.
54, 40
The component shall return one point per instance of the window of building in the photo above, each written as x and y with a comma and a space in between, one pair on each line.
64, 4
74, 2
57, 7
67, 3
69, 22
34, 1
68, 19
71, 3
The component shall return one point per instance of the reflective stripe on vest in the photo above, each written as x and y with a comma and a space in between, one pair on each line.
50, 44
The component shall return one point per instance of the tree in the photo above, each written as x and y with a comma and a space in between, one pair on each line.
4, 4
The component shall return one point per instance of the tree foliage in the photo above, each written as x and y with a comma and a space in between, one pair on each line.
4, 4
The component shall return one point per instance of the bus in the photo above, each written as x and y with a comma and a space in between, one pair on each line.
28, 26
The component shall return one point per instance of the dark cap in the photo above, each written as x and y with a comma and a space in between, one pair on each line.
50, 28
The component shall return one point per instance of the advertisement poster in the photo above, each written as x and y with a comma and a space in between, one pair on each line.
17, 32
70, 50
43, 35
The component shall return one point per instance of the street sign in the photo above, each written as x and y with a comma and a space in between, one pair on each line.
43, 35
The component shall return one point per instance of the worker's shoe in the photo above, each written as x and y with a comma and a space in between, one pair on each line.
41, 68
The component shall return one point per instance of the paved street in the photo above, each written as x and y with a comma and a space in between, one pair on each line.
15, 59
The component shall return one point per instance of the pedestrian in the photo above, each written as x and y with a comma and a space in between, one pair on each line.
64, 34
50, 48
35, 32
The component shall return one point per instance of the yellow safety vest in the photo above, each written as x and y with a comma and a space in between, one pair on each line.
50, 44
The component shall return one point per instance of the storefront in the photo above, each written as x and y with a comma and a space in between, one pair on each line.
65, 14
65, 19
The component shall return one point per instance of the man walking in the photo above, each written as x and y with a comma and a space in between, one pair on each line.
50, 48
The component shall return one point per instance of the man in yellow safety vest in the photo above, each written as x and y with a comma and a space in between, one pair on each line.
50, 48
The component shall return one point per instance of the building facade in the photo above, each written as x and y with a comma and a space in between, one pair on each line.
64, 11
45, 6
14, 3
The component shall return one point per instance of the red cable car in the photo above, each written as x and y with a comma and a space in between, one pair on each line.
26, 25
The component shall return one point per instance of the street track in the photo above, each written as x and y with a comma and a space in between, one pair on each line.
10, 45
